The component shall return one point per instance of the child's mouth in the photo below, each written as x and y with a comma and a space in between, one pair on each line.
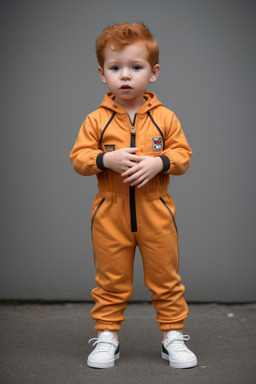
126, 87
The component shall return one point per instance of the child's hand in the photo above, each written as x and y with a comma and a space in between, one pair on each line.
140, 174
121, 160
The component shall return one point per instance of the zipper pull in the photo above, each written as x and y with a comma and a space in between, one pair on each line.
133, 130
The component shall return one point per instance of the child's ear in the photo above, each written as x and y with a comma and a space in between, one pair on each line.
155, 73
102, 75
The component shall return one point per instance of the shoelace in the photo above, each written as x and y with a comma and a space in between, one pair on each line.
103, 345
178, 342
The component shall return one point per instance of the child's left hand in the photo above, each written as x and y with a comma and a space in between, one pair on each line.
140, 174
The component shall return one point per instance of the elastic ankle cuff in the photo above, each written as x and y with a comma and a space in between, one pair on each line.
111, 326
171, 326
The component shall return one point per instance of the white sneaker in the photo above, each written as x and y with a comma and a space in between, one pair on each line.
106, 351
174, 350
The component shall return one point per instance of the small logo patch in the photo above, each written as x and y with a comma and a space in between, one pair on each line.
157, 143
110, 148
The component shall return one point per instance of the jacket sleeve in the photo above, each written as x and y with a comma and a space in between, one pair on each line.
86, 157
177, 153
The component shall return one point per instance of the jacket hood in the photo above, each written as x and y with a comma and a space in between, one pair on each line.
151, 101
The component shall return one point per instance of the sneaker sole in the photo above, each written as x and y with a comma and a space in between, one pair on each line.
189, 364
108, 364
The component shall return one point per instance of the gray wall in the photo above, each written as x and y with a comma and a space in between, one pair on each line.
49, 83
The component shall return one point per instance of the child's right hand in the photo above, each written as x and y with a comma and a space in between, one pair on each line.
121, 159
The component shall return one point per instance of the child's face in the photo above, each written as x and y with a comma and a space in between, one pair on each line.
127, 72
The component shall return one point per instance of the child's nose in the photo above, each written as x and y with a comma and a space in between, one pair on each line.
125, 75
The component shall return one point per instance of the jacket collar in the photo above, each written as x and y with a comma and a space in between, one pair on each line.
151, 101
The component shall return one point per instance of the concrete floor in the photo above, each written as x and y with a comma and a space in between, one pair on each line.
48, 344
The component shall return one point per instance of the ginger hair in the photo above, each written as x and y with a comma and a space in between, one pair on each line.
117, 36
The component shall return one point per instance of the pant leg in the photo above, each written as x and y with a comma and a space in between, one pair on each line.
114, 248
158, 242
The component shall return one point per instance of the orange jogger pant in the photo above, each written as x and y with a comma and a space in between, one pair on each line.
114, 247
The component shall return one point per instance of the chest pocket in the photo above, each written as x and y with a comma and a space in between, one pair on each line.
153, 145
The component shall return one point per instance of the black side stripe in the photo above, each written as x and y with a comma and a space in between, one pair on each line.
96, 211
104, 129
155, 124
172, 215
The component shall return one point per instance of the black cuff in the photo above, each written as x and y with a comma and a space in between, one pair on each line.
99, 161
166, 163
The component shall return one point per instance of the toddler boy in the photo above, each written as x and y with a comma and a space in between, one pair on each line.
133, 143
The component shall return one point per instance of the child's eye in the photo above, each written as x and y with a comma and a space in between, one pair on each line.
114, 68
136, 67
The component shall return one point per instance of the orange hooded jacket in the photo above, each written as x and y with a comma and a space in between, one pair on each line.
110, 128
155, 131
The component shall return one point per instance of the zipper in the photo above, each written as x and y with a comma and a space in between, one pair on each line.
132, 189
96, 211
173, 218
133, 131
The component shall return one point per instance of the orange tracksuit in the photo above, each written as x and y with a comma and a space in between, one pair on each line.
124, 217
